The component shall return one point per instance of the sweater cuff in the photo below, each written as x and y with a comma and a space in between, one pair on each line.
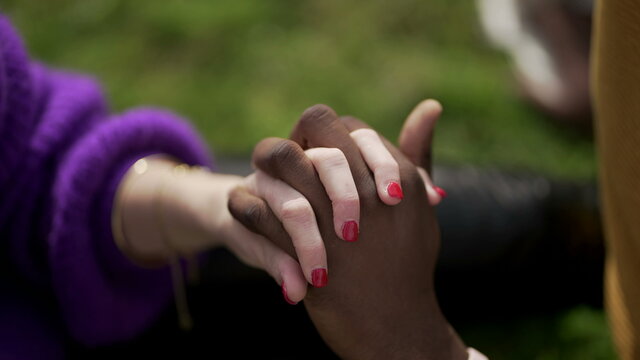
103, 296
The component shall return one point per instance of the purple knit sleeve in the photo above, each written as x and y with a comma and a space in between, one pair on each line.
66, 106
16, 98
61, 160
104, 297
28, 330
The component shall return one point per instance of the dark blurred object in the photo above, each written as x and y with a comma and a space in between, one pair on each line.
517, 243
238, 313
548, 42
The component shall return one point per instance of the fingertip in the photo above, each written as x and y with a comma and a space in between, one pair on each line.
350, 231
319, 277
425, 112
293, 284
394, 190
431, 105
390, 193
285, 295
347, 219
317, 113
417, 131
440, 191
433, 196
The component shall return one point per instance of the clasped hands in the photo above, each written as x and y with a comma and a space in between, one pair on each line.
356, 214
336, 214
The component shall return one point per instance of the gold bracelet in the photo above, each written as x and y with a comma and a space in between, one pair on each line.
117, 219
179, 288
140, 167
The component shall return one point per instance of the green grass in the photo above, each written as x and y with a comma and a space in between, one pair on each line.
576, 334
245, 70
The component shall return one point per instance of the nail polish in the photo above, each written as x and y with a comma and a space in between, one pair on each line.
319, 277
350, 231
394, 190
440, 191
286, 297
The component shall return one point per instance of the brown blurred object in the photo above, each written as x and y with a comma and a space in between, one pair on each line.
548, 42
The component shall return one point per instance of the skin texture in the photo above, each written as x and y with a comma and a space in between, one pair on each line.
379, 302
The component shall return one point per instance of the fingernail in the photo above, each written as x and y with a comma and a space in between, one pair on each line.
440, 191
350, 231
286, 297
394, 190
319, 277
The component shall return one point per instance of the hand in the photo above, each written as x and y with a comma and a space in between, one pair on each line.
294, 211
380, 302
415, 143
164, 209
189, 205
196, 216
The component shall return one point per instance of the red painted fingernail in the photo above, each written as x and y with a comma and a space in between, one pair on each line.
286, 297
440, 191
394, 190
319, 277
350, 231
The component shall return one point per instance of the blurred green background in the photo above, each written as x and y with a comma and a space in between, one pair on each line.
245, 70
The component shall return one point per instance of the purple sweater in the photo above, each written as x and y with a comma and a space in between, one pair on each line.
61, 158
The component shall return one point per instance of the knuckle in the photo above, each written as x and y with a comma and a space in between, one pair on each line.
282, 154
334, 153
309, 247
319, 113
352, 123
253, 215
297, 210
348, 119
333, 158
369, 133
387, 164
366, 133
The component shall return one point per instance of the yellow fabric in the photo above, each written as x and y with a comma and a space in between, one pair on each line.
616, 94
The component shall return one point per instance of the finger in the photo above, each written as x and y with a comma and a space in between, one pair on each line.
416, 142
255, 248
335, 175
298, 218
256, 215
319, 127
417, 133
385, 168
434, 193
284, 159
352, 124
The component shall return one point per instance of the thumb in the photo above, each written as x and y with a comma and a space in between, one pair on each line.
417, 133
415, 143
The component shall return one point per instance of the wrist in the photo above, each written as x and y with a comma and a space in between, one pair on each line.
163, 208
199, 211
415, 330
425, 334
135, 212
